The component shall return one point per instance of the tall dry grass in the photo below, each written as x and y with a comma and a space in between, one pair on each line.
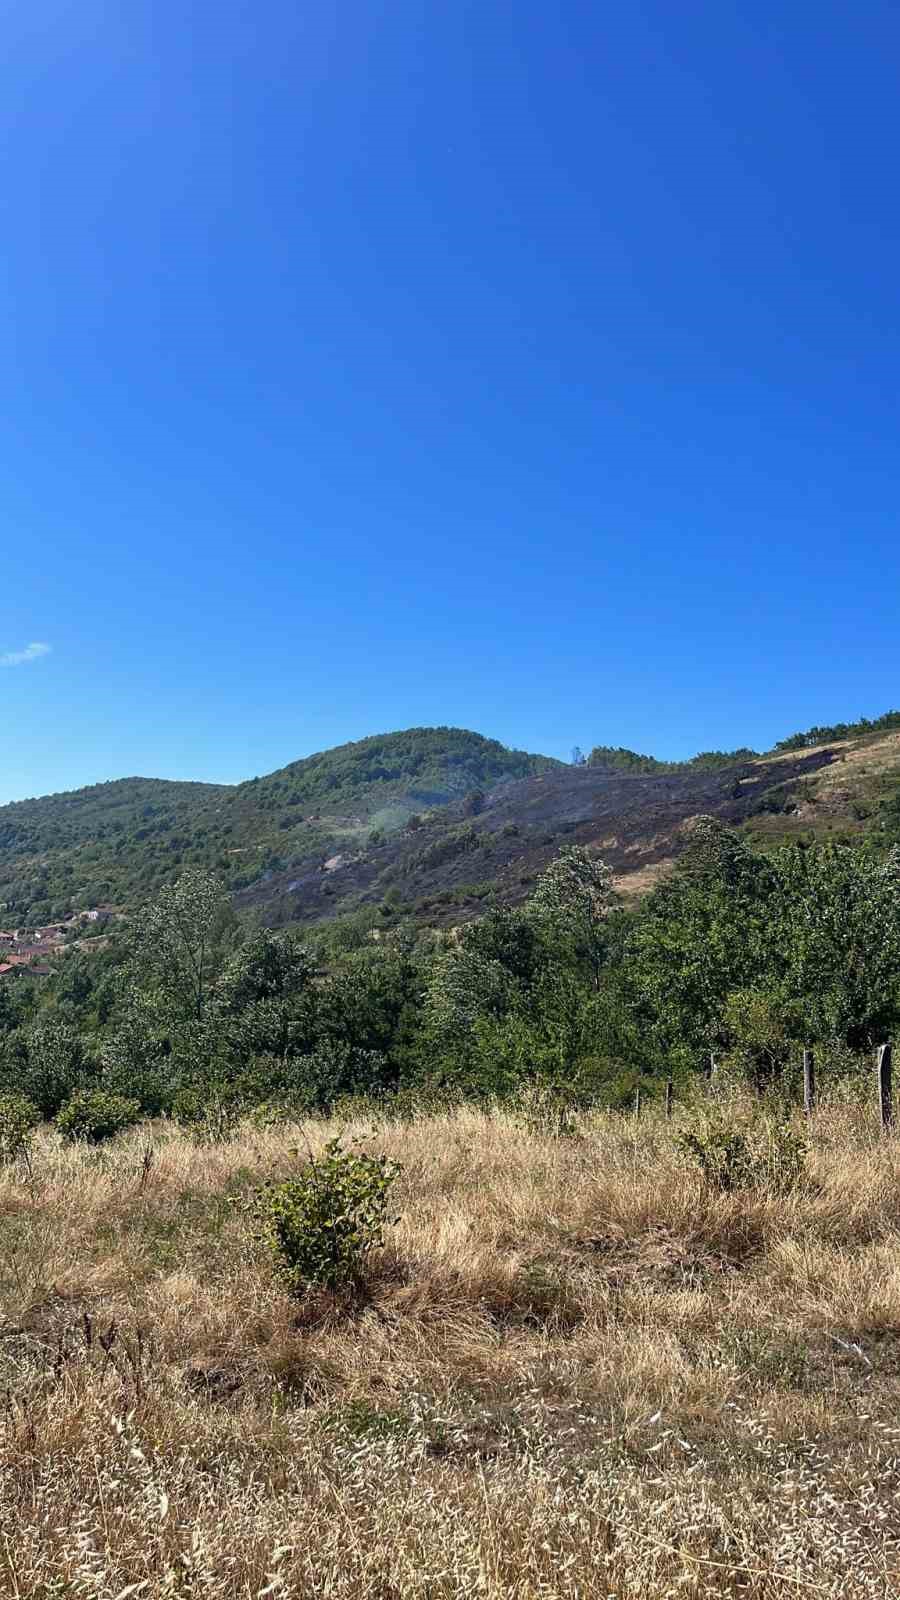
576, 1373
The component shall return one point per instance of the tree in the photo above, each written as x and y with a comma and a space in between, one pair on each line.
179, 940
835, 935
56, 1064
700, 936
570, 905
486, 973
267, 967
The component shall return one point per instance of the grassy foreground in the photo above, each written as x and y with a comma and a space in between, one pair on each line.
577, 1373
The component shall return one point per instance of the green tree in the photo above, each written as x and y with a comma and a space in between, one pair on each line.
178, 946
835, 939
700, 936
56, 1064
570, 904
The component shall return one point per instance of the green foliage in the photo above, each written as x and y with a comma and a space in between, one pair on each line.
124, 841
698, 938
840, 730
762, 1035
485, 975
332, 1072
629, 761
569, 999
210, 1112
178, 936
92, 1116
55, 1065
19, 1118
321, 1226
267, 967
834, 937
733, 1152
570, 904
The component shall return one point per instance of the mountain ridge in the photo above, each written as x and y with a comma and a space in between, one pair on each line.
122, 839
428, 821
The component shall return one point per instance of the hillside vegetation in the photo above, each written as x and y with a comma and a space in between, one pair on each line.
120, 841
433, 822
367, 1257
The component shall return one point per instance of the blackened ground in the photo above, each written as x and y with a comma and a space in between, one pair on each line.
445, 868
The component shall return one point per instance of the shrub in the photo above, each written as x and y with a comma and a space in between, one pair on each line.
93, 1115
321, 1225
55, 1065
761, 1029
761, 1154
210, 1114
547, 1109
720, 1151
18, 1119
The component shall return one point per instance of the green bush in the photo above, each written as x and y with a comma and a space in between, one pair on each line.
321, 1225
759, 1154
18, 1119
720, 1151
93, 1115
210, 1113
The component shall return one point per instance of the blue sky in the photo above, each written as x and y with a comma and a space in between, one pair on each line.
529, 368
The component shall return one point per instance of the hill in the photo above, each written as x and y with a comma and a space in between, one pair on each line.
446, 868
119, 841
631, 807
432, 822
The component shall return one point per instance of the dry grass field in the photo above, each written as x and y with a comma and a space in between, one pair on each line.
576, 1373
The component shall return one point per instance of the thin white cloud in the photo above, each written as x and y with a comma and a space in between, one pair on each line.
17, 658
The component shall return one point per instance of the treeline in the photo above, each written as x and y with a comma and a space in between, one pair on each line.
737, 956
840, 730
623, 760
604, 755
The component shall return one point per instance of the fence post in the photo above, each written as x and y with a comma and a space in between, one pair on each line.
886, 1086
668, 1098
809, 1082
637, 1101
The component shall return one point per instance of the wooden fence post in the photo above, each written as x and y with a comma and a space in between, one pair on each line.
668, 1098
809, 1082
885, 1086
637, 1101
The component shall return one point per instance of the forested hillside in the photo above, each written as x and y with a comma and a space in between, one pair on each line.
120, 841
432, 822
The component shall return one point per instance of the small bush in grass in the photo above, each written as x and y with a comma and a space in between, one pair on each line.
19, 1117
759, 1154
321, 1226
210, 1114
547, 1108
93, 1115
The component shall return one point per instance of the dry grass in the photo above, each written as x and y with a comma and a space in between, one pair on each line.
577, 1373
867, 758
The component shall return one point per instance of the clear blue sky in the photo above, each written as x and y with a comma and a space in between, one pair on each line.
527, 367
